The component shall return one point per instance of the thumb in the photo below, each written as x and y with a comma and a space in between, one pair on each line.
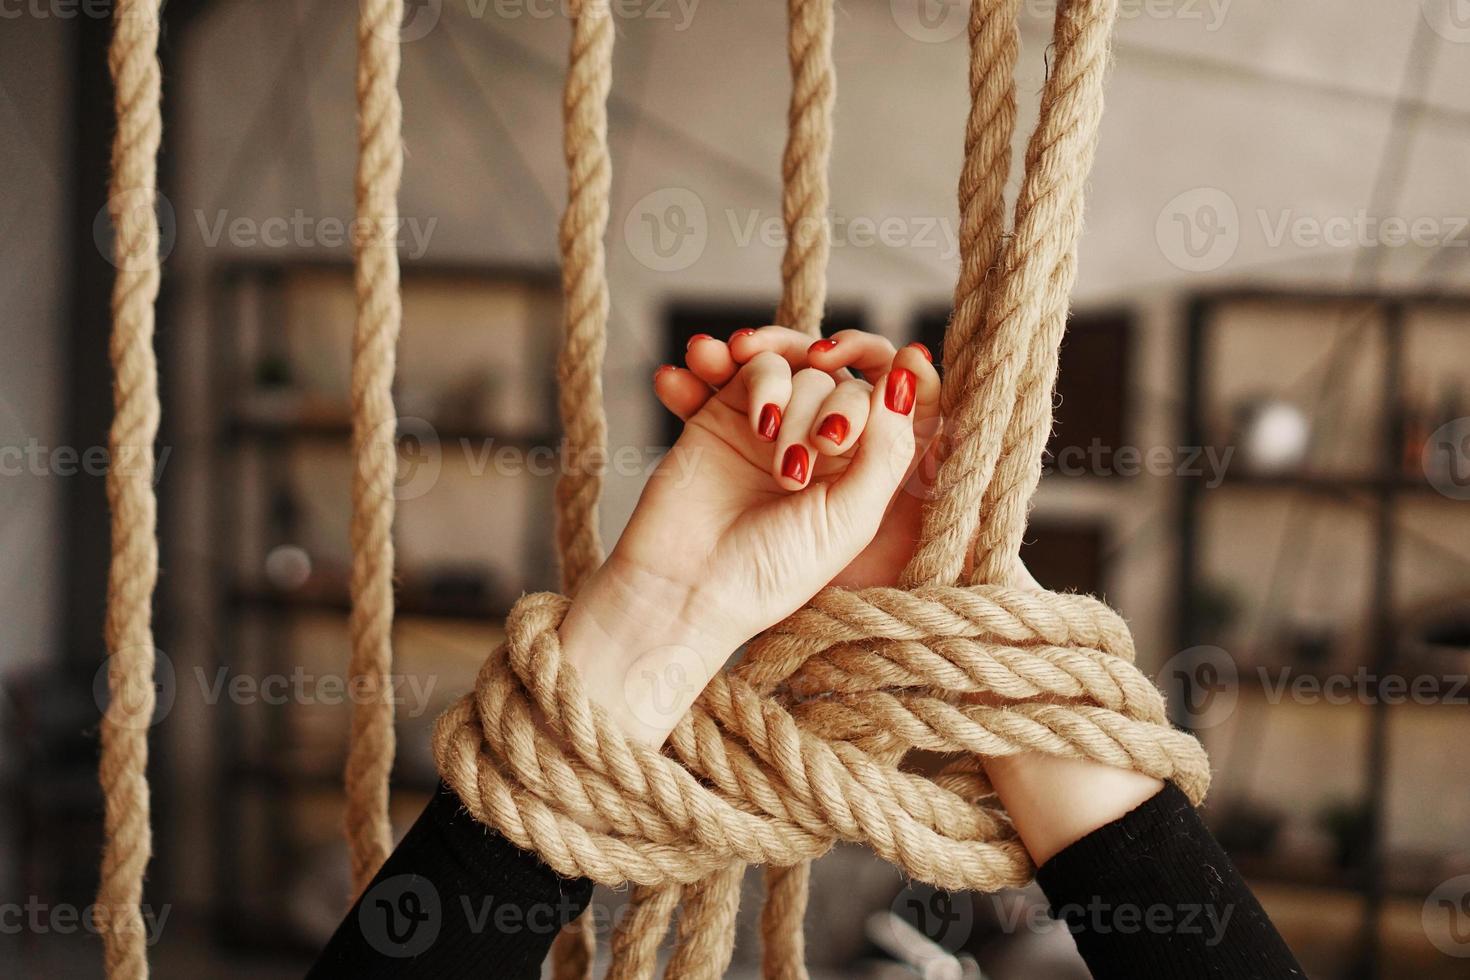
859, 497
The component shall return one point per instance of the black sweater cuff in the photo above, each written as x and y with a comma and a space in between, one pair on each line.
1153, 895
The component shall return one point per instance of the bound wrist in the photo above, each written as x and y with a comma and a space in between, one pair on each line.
641, 647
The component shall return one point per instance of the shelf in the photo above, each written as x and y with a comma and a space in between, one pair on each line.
410, 602
339, 429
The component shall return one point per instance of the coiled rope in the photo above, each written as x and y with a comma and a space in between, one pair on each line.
801, 745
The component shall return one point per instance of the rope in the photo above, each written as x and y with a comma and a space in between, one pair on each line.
584, 341
804, 165
374, 436
133, 572
802, 745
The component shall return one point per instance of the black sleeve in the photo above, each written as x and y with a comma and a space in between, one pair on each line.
1153, 895
454, 899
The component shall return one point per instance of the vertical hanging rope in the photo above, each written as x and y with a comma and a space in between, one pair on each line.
584, 342
804, 165
1040, 267
1024, 311
374, 435
133, 572
584, 290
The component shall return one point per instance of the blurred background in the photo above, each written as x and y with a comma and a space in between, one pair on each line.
1262, 455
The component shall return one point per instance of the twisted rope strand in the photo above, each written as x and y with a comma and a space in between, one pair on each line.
374, 436
133, 571
804, 165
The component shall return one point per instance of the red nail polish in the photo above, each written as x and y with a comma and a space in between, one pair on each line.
662, 368
794, 463
834, 427
822, 346
696, 338
770, 423
746, 332
899, 394
923, 350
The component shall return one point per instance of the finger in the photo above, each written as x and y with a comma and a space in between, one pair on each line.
839, 422
790, 344
917, 359
858, 499
870, 354
761, 390
680, 391
710, 360
796, 456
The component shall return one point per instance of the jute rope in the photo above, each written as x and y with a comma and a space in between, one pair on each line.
374, 435
801, 746
133, 572
584, 341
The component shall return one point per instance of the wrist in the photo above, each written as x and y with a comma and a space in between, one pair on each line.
642, 648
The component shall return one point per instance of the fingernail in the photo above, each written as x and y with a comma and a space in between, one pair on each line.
923, 350
746, 332
899, 394
794, 463
822, 346
834, 427
696, 338
770, 423
662, 368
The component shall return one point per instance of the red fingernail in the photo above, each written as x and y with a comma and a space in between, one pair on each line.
899, 394
822, 346
748, 331
696, 338
662, 368
923, 350
770, 423
834, 427
794, 463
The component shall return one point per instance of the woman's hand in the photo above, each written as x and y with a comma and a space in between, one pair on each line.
780, 480
712, 363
